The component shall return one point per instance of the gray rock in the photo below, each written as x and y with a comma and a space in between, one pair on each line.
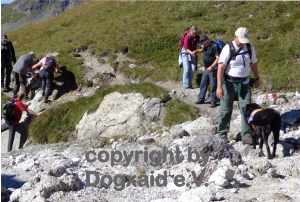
26, 165
119, 115
72, 182
199, 194
219, 149
222, 176
164, 200
15, 195
144, 140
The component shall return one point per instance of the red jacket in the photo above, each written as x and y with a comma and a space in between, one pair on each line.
19, 108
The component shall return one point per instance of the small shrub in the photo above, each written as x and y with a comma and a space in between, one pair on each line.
140, 171
178, 112
103, 142
88, 83
165, 97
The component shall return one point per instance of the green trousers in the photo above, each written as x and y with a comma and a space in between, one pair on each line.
226, 105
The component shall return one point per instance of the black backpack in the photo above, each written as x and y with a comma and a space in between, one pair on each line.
234, 53
8, 110
49, 65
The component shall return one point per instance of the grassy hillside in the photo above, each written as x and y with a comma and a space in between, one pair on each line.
151, 30
58, 124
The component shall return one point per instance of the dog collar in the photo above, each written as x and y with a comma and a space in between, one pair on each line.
252, 115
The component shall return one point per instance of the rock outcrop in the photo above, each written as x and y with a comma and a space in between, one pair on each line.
208, 168
120, 115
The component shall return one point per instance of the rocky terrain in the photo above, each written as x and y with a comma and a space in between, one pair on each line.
123, 124
35, 11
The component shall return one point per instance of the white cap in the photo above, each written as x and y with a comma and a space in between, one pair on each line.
32, 54
242, 34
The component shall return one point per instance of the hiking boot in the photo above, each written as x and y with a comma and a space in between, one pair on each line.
7, 89
200, 102
247, 140
191, 87
46, 100
213, 105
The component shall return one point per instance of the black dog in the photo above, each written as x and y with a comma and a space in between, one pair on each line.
263, 121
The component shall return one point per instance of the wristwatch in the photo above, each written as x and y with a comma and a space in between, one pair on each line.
256, 79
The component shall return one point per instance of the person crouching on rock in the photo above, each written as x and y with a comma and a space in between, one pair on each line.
12, 125
48, 65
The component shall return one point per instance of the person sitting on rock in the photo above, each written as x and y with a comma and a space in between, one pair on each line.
12, 125
48, 65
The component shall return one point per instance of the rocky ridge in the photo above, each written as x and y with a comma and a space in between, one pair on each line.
35, 11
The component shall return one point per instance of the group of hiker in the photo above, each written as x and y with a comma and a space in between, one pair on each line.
226, 70
188, 54
21, 69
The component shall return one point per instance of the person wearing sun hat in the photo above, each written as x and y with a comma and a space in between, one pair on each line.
232, 81
20, 69
7, 56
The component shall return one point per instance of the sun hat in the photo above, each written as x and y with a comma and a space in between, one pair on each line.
32, 53
242, 34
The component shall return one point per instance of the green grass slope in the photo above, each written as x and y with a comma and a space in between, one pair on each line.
151, 31
58, 124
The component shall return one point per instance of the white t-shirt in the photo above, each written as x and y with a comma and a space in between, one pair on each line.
240, 67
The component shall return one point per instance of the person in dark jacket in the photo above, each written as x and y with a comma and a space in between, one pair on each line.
7, 56
211, 53
20, 71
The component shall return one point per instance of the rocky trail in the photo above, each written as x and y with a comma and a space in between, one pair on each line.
234, 172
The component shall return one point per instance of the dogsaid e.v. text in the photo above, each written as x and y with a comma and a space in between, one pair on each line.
156, 158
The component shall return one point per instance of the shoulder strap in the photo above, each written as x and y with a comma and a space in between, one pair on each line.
249, 50
233, 52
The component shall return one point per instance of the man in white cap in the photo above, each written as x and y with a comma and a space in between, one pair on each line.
235, 62
20, 70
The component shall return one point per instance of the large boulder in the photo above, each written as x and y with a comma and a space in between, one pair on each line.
121, 114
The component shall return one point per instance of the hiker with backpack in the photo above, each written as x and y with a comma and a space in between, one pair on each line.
20, 71
235, 62
189, 56
48, 65
7, 56
211, 53
12, 122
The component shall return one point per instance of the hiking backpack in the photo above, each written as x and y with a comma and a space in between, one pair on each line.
185, 32
220, 43
234, 53
8, 110
49, 65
